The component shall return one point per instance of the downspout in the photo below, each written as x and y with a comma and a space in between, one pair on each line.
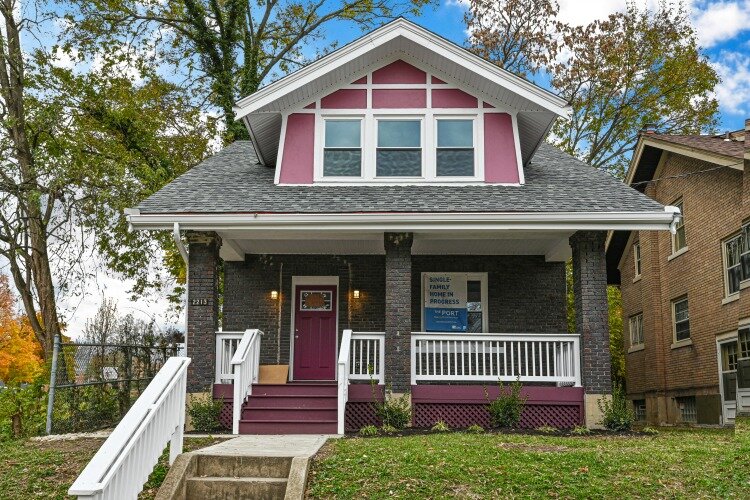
676, 218
183, 251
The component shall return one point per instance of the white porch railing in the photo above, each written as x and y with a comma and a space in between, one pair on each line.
493, 357
342, 376
226, 346
367, 357
123, 463
245, 368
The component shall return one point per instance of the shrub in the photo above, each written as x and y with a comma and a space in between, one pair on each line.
388, 429
505, 411
204, 413
547, 429
580, 430
440, 426
475, 429
368, 430
617, 413
393, 411
23, 410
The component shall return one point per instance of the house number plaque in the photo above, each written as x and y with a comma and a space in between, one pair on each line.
199, 302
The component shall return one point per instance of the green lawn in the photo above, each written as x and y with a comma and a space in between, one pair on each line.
674, 464
46, 469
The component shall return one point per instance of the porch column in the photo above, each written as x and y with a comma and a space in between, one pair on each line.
398, 310
592, 319
202, 308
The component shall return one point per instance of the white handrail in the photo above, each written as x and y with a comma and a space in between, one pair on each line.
123, 463
245, 368
226, 346
530, 357
343, 378
367, 358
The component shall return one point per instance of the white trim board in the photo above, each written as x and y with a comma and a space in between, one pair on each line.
313, 281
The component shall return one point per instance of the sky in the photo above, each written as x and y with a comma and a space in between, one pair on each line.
723, 29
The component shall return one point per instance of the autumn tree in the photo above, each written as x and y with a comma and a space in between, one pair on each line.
519, 36
20, 353
224, 49
75, 149
635, 67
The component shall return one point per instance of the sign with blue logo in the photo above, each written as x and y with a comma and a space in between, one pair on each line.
445, 302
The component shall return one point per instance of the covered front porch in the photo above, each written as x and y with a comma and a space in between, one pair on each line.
335, 317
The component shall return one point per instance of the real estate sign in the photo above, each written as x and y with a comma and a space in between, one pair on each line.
445, 302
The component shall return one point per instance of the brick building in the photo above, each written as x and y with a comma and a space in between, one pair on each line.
397, 218
686, 296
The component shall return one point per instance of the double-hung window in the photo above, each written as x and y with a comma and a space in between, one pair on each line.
342, 151
637, 258
681, 319
678, 239
745, 252
732, 264
455, 148
399, 148
636, 330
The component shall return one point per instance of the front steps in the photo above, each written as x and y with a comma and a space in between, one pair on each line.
238, 477
294, 408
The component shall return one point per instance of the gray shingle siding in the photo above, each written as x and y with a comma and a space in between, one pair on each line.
232, 181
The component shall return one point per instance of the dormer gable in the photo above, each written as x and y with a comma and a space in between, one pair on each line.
402, 106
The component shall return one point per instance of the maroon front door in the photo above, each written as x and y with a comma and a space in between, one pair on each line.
315, 332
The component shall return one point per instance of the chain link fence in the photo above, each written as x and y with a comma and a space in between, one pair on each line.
93, 385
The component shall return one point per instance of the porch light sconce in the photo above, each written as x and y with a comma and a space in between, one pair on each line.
355, 294
274, 294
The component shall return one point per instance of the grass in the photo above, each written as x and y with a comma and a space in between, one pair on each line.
677, 463
46, 469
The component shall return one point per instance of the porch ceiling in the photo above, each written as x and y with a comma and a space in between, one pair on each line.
552, 244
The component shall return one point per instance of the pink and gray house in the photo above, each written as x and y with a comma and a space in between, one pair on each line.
396, 219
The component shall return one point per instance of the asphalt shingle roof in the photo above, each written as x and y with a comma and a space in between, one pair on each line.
232, 181
710, 143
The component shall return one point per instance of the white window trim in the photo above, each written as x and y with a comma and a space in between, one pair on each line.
635, 345
729, 296
371, 147
321, 153
481, 277
688, 341
478, 165
637, 261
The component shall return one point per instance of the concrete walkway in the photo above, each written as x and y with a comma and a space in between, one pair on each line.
288, 445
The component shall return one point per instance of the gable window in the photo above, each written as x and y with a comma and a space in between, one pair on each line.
678, 239
455, 148
636, 330
342, 152
681, 319
399, 148
637, 258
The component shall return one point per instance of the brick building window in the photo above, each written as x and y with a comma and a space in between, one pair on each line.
732, 265
745, 252
636, 330
729, 370
744, 343
681, 319
639, 410
688, 411
678, 239
637, 258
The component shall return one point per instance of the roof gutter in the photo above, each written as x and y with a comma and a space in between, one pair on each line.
449, 222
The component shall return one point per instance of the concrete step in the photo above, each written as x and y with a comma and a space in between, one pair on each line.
242, 466
289, 414
295, 390
235, 488
291, 401
293, 427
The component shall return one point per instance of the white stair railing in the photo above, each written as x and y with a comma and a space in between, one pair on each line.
343, 379
226, 346
492, 357
245, 369
367, 357
123, 463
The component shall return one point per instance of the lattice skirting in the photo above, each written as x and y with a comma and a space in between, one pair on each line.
360, 414
460, 415
224, 392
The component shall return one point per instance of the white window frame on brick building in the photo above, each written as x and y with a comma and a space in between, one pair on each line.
683, 318
635, 327
637, 263
679, 247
